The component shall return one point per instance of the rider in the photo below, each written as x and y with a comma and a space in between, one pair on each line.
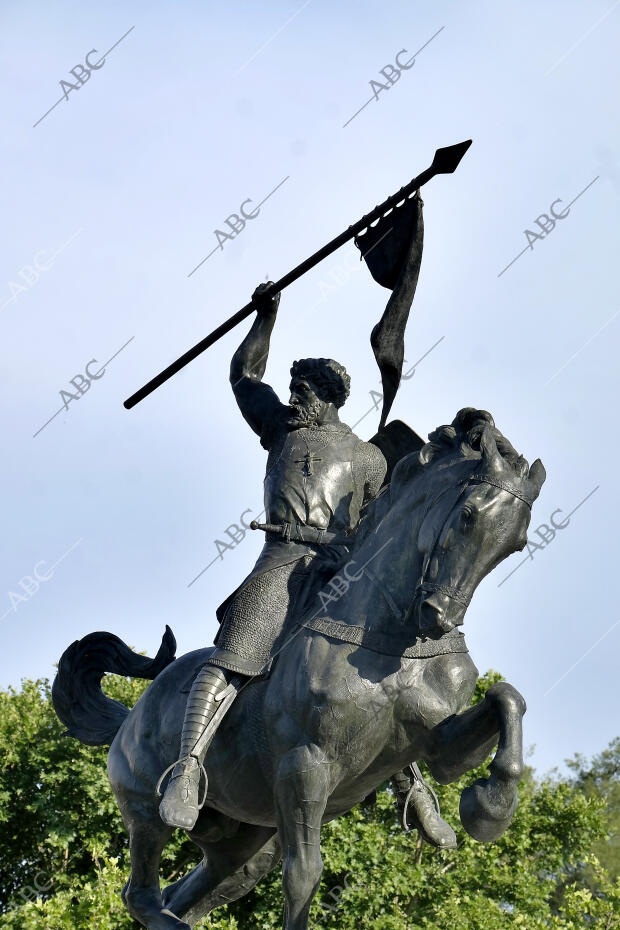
319, 475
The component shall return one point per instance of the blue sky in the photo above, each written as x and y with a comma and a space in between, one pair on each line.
113, 198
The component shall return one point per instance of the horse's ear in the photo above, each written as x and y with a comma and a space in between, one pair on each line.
536, 477
490, 453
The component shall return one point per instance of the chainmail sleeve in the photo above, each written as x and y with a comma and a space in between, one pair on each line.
369, 466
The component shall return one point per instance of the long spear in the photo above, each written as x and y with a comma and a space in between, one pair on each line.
446, 161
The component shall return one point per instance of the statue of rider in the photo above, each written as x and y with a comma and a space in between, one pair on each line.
319, 476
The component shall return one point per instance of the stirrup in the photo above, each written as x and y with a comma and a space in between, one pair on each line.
201, 771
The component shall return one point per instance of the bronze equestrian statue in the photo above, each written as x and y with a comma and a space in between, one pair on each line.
340, 661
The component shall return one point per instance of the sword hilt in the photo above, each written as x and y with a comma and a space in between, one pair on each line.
266, 527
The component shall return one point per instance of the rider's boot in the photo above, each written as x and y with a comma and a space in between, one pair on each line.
180, 806
414, 797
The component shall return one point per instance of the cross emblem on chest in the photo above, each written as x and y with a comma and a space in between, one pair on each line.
307, 462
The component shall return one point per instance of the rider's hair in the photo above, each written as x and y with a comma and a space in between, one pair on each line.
466, 430
330, 378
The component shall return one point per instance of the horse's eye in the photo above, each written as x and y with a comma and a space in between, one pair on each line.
467, 513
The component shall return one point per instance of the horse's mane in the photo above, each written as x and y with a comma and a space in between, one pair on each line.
464, 434
461, 438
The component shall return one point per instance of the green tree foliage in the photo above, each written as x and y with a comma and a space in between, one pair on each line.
601, 778
63, 849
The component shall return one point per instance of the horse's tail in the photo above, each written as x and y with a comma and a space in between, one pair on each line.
86, 711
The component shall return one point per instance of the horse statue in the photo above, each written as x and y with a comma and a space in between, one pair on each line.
375, 678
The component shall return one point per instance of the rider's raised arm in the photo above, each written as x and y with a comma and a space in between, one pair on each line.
258, 402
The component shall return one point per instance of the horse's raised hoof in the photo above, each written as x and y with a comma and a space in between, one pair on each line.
486, 809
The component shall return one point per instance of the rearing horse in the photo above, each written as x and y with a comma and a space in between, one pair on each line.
356, 694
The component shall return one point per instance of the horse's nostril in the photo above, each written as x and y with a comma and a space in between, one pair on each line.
436, 600
430, 608
429, 617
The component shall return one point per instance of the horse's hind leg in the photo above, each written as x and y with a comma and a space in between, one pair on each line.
230, 869
464, 741
147, 837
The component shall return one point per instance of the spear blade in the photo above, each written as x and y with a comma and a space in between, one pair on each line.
447, 160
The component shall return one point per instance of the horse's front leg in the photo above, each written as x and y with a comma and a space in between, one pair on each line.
301, 791
464, 741
141, 894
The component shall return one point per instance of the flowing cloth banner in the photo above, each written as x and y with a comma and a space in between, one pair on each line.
392, 250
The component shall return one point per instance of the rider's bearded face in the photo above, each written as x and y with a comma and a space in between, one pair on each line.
306, 408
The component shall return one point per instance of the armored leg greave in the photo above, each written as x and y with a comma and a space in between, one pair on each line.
180, 806
201, 705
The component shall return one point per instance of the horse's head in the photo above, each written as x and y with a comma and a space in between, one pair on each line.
451, 513
478, 518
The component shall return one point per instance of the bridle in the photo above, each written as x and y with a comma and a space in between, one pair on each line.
502, 485
459, 595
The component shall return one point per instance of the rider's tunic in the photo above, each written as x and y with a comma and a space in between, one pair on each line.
318, 477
